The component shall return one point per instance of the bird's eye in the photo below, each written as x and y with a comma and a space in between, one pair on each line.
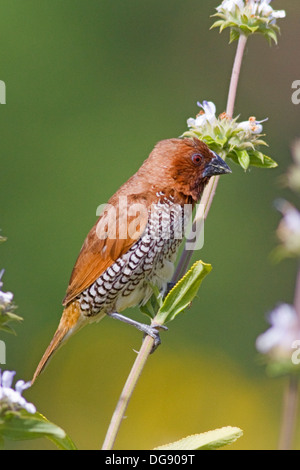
196, 158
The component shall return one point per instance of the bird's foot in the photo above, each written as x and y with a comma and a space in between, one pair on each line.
153, 331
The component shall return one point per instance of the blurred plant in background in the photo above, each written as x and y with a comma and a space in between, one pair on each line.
19, 419
280, 345
277, 342
7, 307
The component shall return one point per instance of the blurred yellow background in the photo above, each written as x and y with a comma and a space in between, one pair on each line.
91, 87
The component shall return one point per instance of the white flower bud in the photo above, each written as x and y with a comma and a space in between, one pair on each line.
207, 115
252, 125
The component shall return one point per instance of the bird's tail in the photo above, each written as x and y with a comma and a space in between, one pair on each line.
69, 323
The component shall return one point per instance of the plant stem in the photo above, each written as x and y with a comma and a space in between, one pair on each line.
198, 222
289, 414
206, 200
297, 294
236, 74
291, 394
127, 391
210, 190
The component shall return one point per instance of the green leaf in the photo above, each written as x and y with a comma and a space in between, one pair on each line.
258, 155
182, 294
234, 35
260, 142
233, 142
206, 441
272, 35
7, 328
149, 309
253, 29
217, 24
246, 29
260, 160
224, 25
257, 159
243, 158
153, 304
208, 139
5, 318
23, 426
220, 140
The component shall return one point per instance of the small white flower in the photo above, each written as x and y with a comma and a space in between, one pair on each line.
230, 5
12, 398
252, 125
260, 8
207, 115
285, 329
279, 14
264, 9
5, 297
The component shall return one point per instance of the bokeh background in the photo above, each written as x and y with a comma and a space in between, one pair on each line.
92, 85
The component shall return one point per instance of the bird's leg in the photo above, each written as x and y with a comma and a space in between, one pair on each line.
151, 330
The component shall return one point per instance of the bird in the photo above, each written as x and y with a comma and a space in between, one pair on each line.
134, 243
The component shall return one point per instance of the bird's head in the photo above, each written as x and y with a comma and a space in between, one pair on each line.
185, 165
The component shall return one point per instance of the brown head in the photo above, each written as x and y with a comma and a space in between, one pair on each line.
184, 165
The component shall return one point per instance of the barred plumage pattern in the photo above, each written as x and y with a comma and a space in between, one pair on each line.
126, 282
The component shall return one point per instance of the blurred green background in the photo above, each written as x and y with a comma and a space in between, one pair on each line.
92, 85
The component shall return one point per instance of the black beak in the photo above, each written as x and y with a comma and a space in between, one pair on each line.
216, 166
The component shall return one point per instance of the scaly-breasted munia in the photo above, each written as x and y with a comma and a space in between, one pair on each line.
125, 251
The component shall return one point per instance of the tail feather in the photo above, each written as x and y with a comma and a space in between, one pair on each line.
57, 340
69, 323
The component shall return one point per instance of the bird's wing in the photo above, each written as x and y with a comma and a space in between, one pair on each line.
111, 237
